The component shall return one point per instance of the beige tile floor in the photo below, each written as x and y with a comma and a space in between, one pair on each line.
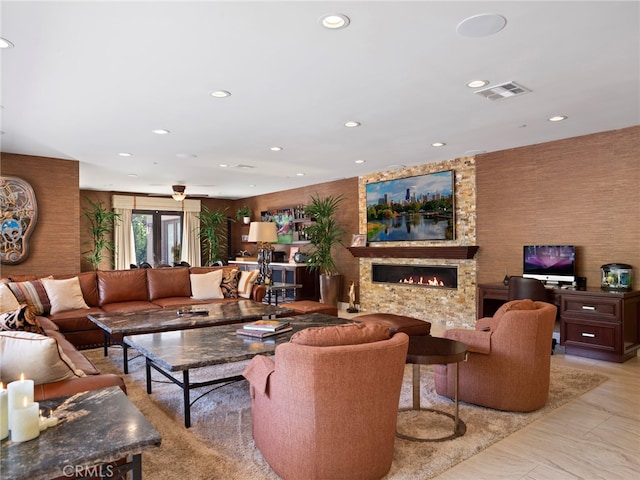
596, 436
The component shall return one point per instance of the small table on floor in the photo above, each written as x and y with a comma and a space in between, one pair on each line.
95, 428
117, 325
280, 287
166, 352
428, 350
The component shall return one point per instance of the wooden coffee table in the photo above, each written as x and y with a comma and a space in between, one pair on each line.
117, 325
428, 350
167, 353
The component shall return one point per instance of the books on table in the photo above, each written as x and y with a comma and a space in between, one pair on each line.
264, 328
266, 325
259, 334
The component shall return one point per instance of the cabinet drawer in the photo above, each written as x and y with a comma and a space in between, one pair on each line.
587, 307
595, 334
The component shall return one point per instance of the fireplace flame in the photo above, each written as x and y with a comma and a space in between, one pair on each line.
432, 282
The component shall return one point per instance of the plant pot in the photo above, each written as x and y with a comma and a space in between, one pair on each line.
246, 220
330, 287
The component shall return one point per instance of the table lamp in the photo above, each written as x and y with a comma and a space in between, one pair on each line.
264, 234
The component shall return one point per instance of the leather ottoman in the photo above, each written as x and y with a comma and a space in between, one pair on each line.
398, 323
309, 306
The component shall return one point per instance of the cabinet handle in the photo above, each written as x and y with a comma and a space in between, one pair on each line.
590, 335
588, 307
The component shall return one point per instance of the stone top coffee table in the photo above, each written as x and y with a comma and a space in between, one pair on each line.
168, 352
117, 325
94, 429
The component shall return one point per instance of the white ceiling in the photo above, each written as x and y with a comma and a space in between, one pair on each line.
88, 80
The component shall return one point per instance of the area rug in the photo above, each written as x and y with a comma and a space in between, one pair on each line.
219, 444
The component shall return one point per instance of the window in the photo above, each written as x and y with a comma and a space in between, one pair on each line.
157, 236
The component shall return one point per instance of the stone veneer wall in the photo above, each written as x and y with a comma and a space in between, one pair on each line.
448, 307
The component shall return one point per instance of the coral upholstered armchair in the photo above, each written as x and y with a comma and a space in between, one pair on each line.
508, 367
327, 407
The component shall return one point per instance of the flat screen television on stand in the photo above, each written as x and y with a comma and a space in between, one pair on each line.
552, 264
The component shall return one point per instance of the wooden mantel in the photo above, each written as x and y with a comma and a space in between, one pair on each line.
453, 252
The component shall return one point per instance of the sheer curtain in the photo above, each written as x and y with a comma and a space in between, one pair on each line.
123, 233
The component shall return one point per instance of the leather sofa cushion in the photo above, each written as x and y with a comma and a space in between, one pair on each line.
122, 286
168, 282
74, 320
348, 334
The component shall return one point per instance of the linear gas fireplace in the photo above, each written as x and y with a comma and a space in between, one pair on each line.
437, 276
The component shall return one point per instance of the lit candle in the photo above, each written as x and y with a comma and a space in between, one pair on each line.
18, 390
24, 421
4, 412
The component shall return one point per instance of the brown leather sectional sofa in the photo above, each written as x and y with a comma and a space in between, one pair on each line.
114, 291
121, 291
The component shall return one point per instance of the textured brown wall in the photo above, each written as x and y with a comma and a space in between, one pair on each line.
584, 191
55, 242
347, 218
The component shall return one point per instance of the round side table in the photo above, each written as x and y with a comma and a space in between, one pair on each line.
428, 350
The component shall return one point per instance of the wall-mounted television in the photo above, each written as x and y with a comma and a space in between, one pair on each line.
421, 207
552, 264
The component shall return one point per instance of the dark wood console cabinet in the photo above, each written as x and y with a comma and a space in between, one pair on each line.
594, 323
291, 273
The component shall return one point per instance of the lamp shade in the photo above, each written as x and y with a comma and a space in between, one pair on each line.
263, 232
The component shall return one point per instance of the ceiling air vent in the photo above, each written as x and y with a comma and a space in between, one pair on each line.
505, 90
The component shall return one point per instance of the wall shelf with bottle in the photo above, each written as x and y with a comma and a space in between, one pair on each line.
290, 223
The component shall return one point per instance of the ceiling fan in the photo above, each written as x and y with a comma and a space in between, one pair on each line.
178, 193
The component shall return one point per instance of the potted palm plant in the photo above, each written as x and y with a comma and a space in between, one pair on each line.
324, 234
101, 224
213, 233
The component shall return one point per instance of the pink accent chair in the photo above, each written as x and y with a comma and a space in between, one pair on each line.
327, 407
508, 366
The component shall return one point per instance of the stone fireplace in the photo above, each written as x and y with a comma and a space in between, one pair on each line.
451, 305
429, 276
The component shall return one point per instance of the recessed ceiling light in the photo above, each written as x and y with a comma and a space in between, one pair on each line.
300, 174
186, 155
335, 21
558, 118
223, 165
276, 149
161, 131
124, 154
477, 83
220, 93
438, 144
133, 175
4, 43
252, 185
481, 25
359, 161
352, 124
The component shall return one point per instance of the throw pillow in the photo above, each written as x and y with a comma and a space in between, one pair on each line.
206, 286
33, 294
22, 318
8, 302
64, 294
348, 334
229, 283
40, 358
245, 283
